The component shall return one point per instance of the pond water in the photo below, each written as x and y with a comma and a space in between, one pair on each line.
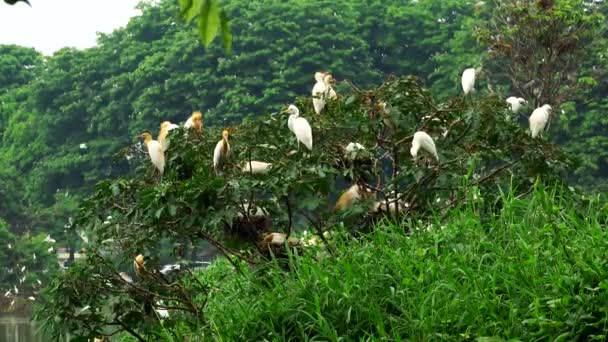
19, 329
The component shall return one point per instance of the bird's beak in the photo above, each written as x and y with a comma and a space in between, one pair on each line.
284, 111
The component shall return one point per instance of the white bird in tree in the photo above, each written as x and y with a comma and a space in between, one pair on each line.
322, 91
468, 80
424, 141
299, 126
515, 103
539, 119
255, 167
165, 127
155, 150
221, 153
195, 122
49, 239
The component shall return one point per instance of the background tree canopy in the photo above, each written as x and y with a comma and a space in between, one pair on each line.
65, 118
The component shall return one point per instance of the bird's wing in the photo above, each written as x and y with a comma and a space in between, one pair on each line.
303, 132
217, 153
155, 149
188, 123
319, 89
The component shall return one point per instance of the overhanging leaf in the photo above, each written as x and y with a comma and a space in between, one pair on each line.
208, 21
226, 32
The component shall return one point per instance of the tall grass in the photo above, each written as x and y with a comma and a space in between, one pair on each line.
536, 270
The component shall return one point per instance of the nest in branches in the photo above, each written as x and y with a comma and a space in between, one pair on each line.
248, 229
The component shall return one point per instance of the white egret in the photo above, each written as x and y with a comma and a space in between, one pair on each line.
299, 126
468, 80
155, 150
539, 119
49, 239
424, 141
515, 103
50, 250
15, 290
353, 147
127, 278
170, 268
221, 153
162, 312
165, 127
83, 146
350, 196
31, 298
255, 167
391, 205
195, 122
8, 293
322, 91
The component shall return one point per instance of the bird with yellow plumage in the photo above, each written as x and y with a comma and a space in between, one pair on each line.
138, 265
155, 151
221, 153
165, 127
195, 122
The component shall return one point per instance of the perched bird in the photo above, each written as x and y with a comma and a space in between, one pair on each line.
299, 126
539, 119
350, 196
278, 239
165, 127
124, 276
322, 91
155, 150
390, 206
161, 311
221, 152
516, 103
424, 141
353, 147
468, 80
255, 167
195, 122
49, 239
138, 265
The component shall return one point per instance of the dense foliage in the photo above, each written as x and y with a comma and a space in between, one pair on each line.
67, 122
481, 148
536, 271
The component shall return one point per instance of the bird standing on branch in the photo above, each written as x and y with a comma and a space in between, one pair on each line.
156, 152
299, 126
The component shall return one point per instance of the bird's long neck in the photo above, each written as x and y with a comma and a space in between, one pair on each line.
147, 140
224, 144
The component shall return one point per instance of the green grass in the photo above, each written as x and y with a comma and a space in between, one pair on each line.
536, 270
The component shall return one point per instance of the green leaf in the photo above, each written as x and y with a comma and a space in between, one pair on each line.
159, 212
208, 21
172, 210
190, 9
226, 32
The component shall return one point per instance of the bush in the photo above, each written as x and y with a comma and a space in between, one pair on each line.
537, 270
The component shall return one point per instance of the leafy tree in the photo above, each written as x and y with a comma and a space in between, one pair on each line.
539, 47
136, 215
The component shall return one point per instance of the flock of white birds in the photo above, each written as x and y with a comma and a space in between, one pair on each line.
322, 92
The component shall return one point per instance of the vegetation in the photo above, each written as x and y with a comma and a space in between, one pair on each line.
191, 203
68, 122
536, 270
